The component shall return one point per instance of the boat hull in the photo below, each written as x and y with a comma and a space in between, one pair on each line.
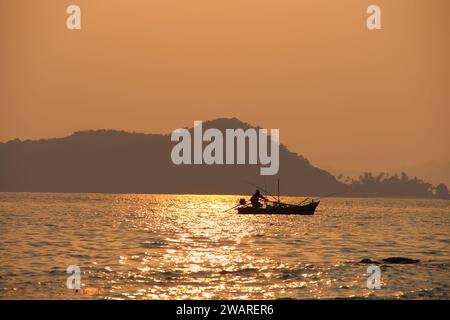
307, 209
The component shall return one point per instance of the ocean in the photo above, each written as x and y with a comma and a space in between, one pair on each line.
130, 246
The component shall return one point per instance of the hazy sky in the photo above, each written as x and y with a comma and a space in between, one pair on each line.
341, 95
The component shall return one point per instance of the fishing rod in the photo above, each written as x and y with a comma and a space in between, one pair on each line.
265, 191
239, 204
325, 196
332, 194
232, 208
277, 200
265, 184
304, 200
278, 190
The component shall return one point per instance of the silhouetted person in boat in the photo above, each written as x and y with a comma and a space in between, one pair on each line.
255, 199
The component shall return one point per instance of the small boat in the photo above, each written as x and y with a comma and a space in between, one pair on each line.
280, 208
277, 207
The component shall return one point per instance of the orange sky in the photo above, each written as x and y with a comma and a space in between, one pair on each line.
343, 96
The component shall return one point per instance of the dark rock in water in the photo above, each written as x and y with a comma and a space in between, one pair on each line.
368, 261
390, 260
400, 260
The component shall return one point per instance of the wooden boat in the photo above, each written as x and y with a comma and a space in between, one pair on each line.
280, 208
277, 207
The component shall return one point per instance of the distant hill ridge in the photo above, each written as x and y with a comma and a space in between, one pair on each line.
123, 162
112, 161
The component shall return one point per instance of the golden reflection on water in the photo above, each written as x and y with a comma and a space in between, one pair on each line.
189, 247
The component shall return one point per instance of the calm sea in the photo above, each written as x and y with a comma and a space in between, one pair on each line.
187, 247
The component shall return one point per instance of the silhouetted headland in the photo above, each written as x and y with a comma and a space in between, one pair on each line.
110, 161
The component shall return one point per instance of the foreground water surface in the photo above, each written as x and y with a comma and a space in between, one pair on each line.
187, 247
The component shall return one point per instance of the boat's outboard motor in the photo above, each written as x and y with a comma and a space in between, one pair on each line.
242, 202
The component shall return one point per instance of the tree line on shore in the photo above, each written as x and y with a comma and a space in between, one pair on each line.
385, 184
